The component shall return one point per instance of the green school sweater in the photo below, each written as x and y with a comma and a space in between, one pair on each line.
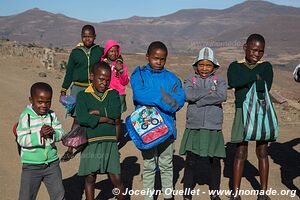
79, 65
108, 106
240, 77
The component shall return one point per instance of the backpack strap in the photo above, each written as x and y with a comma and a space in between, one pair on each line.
215, 77
194, 80
51, 118
28, 120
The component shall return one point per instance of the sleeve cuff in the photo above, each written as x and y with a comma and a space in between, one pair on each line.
41, 139
63, 90
120, 59
121, 71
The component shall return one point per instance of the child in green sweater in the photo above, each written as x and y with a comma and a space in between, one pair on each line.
241, 75
37, 131
82, 57
99, 110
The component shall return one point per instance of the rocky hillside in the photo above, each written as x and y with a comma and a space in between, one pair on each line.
184, 31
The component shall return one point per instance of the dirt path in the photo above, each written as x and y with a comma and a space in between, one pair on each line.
16, 77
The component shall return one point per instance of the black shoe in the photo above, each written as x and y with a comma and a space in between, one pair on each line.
263, 197
235, 197
215, 197
67, 156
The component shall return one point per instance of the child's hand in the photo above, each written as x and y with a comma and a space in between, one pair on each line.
119, 66
106, 120
47, 131
62, 94
111, 121
94, 112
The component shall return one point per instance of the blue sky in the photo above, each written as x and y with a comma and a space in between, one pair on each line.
101, 10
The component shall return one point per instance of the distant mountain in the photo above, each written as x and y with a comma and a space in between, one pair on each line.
183, 31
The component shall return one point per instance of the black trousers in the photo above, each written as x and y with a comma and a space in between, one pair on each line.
193, 164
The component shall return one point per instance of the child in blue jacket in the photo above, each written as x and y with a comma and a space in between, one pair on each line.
155, 86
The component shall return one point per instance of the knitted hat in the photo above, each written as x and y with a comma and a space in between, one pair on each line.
206, 53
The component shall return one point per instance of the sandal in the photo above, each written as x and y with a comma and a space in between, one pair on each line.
67, 156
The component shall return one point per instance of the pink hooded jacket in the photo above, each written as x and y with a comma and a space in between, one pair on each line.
118, 80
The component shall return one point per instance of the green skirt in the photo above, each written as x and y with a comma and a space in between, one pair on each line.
203, 142
237, 131
99, 158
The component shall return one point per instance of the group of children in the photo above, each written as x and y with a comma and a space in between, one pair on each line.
99, 76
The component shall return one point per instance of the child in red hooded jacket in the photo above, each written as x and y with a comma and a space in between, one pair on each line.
119, 70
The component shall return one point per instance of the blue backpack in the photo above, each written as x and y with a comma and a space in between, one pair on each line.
147, 128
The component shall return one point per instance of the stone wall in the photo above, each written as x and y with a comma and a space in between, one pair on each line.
49, 58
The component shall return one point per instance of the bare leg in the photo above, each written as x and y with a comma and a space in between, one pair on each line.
90, 186
117, 182
263, 163
238, 165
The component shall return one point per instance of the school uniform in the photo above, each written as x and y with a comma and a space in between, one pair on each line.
101, 154
79, 67
241, 77
204, 118
203, 140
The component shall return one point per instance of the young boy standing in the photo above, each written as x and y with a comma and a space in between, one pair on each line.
37, 132
153, 85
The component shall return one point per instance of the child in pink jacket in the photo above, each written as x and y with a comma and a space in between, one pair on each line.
119, 71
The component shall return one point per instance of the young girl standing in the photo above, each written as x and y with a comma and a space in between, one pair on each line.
99, 110
203, 140
81, 59
119, 71
241, 76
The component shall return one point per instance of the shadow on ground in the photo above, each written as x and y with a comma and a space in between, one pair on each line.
250, 170
74, 187
129, 169
124, 137
288, 158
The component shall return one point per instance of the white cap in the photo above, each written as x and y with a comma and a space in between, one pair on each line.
207, 53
